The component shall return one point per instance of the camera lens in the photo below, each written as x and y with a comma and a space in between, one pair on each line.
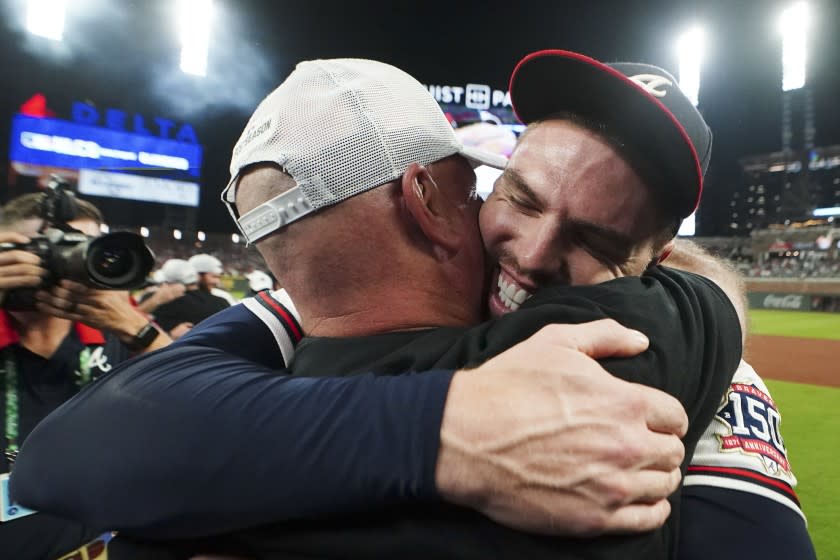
113, 262
118, 260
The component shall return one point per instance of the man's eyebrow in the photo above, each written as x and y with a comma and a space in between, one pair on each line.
514, 180
622, 241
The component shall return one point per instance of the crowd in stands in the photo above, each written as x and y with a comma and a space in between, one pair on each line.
792, 267
788, 263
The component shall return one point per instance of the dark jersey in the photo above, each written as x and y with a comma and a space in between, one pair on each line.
192, 307
695, 348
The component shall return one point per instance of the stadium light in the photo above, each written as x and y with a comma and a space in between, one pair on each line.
201, 236
176, 233
690, 47
794, 27
194, 20
825, 212
235, 238
144, 231
45, 18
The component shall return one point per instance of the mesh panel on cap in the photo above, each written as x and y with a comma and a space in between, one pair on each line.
341, 127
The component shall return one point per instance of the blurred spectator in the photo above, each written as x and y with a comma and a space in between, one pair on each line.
259, 281
195, 305
210, 271
159, 294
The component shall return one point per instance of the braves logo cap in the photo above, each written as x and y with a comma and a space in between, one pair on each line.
641, 103
340, 127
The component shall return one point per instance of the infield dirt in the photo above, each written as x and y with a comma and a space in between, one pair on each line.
801, 360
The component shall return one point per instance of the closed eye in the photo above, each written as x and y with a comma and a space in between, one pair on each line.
523, 205
609, 247
512, 186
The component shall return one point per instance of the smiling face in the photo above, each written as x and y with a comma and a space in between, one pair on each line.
567, 209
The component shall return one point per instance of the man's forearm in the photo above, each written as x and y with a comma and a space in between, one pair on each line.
305, 447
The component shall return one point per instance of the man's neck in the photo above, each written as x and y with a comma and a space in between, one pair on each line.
39, 333
378, 312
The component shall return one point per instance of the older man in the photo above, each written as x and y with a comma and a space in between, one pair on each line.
426, 233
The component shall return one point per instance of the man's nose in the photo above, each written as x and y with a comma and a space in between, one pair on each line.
541, 256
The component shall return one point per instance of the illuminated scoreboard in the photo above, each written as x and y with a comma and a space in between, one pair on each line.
124, 159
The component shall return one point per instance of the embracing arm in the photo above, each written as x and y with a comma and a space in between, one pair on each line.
130, 451
245, 447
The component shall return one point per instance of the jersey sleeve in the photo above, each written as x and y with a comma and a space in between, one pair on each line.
728, 524
191, 441
742, 449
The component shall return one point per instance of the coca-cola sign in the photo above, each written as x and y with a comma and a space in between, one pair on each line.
789, 301
776, 300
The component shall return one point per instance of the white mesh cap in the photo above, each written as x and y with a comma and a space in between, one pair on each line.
340, 127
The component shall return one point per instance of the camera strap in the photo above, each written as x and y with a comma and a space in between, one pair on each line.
11, 416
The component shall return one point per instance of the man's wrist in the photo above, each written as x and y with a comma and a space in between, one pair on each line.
128, 329
143, 337
456, 476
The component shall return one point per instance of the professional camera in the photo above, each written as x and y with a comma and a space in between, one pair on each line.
117, 261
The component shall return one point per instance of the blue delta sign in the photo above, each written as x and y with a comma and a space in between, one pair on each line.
82, 144
115, 119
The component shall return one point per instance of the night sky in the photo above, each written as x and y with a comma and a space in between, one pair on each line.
124, 54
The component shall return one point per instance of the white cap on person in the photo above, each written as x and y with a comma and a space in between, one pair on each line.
340, 127
178, 271
203, 263
259, 281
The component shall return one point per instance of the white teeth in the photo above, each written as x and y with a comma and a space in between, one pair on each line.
511, 290
511, 295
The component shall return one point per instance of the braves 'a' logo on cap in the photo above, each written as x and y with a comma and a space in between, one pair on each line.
650, 83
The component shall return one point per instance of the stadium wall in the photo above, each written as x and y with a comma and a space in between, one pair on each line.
797, 294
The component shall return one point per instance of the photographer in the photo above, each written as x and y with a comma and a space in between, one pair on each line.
61, 339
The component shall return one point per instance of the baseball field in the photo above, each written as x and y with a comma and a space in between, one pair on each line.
798, 353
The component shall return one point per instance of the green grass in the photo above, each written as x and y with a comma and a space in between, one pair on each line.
810, 427
804, 324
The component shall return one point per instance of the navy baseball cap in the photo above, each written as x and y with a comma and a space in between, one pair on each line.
642, 104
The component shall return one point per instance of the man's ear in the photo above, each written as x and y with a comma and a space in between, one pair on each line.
431, 209
666, 251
